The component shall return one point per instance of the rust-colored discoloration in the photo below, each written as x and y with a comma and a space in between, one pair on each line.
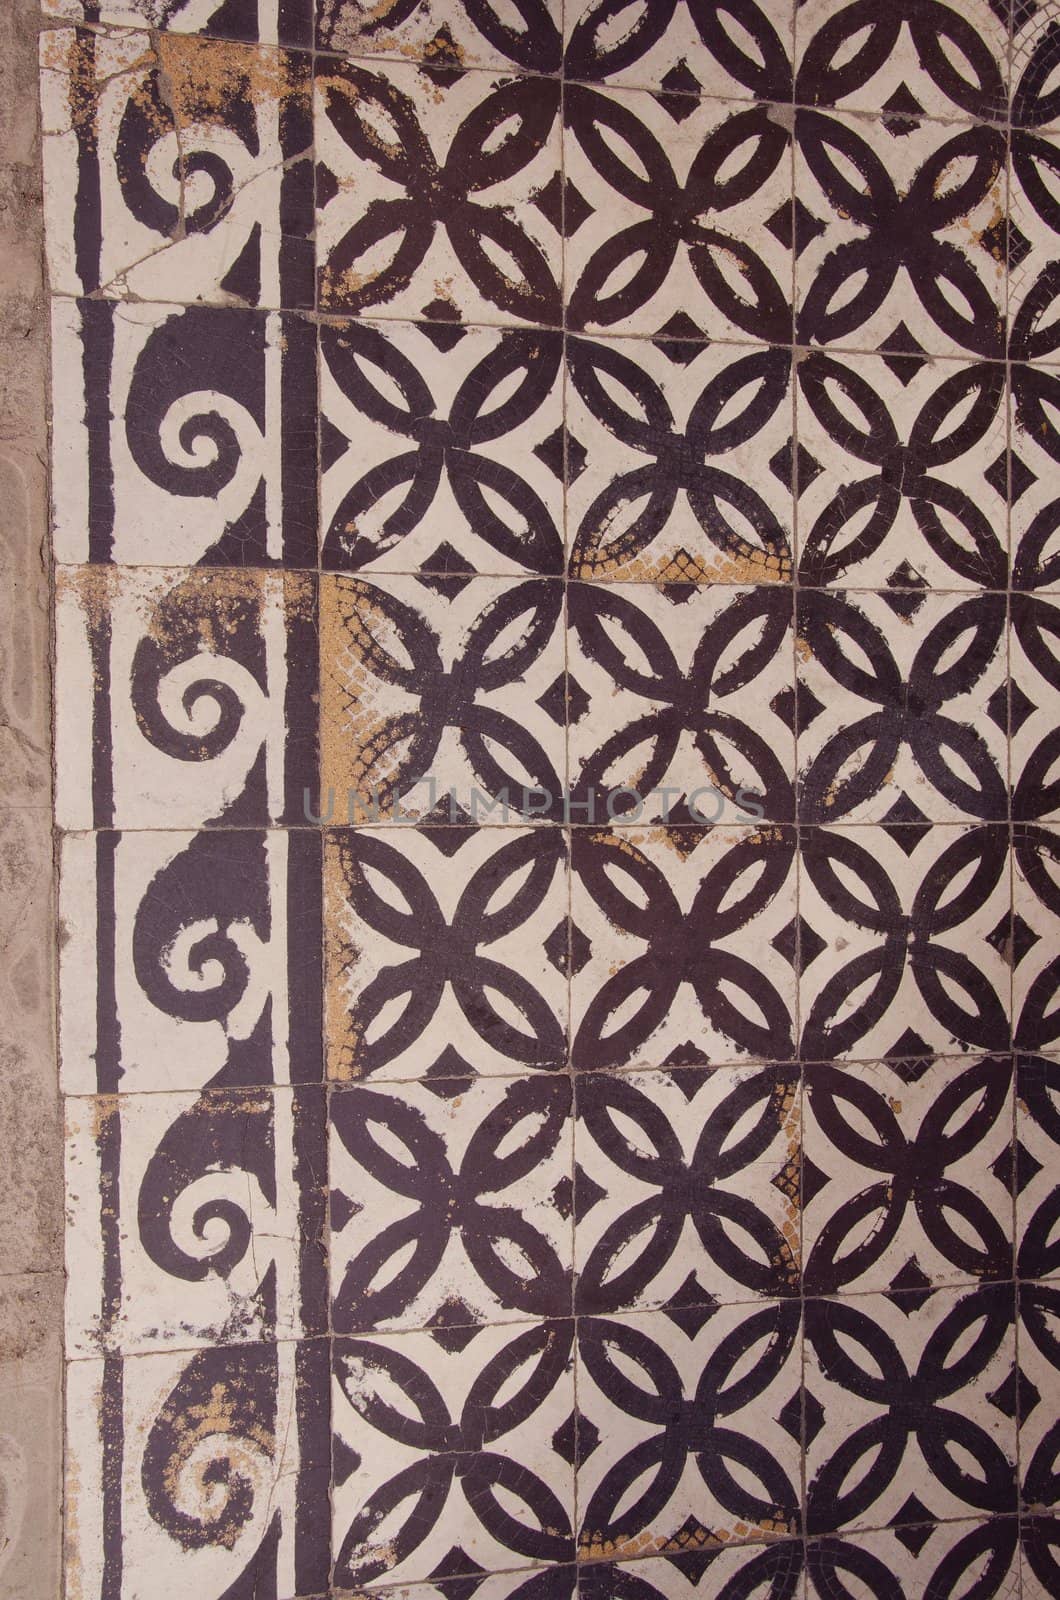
681, 567
205, 77
363, 729
341, 957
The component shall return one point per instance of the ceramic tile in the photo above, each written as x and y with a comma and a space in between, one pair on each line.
910, 1408
1034, 244
558, 1582
440, 33
902, 706
904, 236
446, 951
1035, 453
906, 1173
442, 698
676, 50
1039, 1365
1039, 1556
910, 1563
1034, 642
264, 21
679, 702
208, 1465
665, 443
686, 1189
475, 1175
701, 1414
682, 225
1035, 1166
1033, 55
190, 961
772, 1571
211, 1230
902, 472
176, 168
942, 60
184, 698
1035, 910
458, 471
682, 946
463, 167
205, 448
452, 1451
904, 937
556, 727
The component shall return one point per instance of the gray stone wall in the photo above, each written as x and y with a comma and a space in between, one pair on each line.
30, 1147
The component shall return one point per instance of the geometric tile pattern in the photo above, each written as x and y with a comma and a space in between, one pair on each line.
556, 524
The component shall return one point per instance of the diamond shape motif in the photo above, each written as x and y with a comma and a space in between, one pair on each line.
913, 1525
680, 85
903, 354
679, 339
442, 63
910, 1287
906, 824
587, 1193
454, 1326
904, 108
440, 330
1020, 707
691, 1307
1027, 1166
794, 225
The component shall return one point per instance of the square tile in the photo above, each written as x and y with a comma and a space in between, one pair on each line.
558, 1581
1033, 55
210, 1467
904, 236
475, 1176
1034, 244
744, 53
208, 1222
443, 34
1039, 1556
903, 707
1035, 1175
680, 703
905, 938
702, 1415
1039, 1364
463, 168
1035, 921
1034, 666
184, 698
945, 60
686, 1189
666, 443
452, 1452
177, 168
264, 21
442, 699
682, 945
1035, 393
183, 435
189, 961
771, 1570
910, 1407
677, 223
906, 1172
446, 951
910, 1563
902, 472
443, 448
